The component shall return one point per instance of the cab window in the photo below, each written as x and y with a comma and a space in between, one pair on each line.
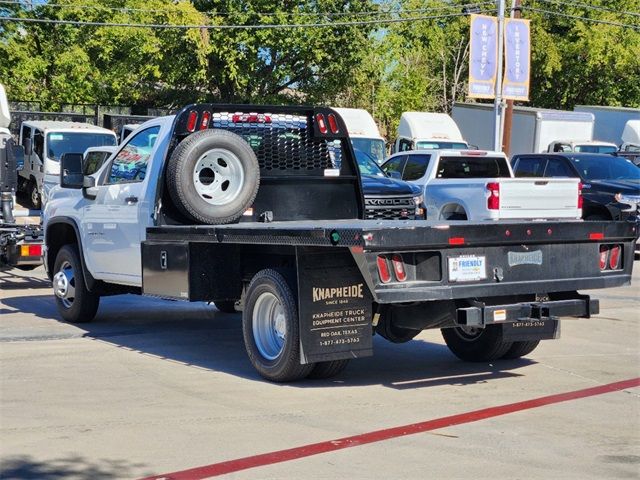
416, 167
396, 164
130, 164
557, 167
530, 167
38, 144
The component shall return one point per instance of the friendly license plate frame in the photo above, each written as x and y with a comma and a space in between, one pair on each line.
467, 268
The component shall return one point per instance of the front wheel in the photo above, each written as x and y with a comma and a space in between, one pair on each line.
75, 303
34, 195
270, 328
476, 344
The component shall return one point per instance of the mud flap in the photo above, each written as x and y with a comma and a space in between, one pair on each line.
335, 306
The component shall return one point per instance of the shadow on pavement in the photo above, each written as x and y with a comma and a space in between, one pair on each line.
17, 279
197, 335
74, 467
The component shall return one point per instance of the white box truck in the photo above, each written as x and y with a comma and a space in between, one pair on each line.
364, 133
44, 144
428, 131
534, 129
609, 122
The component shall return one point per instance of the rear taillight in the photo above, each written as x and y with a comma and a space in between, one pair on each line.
399, 268
610, 257
604, 254
383, 269
192, 120
614, 257
322, 126
333, 123
580, 199
493, 201
30, 250
204, 123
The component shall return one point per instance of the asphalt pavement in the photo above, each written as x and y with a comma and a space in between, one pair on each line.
164, 389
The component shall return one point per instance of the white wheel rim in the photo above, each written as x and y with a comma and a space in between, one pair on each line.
218, 177
269, 326
64, 284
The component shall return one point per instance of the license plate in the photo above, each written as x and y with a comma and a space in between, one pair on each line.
467, 268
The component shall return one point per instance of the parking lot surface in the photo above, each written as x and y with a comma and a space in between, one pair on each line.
164, 389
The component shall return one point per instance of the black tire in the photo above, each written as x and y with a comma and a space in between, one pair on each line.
328, 369
520, 349
480, 345
226, 306
82, 307
237, 175
393, 333
276, 364
34, 196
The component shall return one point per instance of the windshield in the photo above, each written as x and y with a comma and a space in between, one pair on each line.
596, 148
373, 147
59, 143
606, 168
432, 145
367, 165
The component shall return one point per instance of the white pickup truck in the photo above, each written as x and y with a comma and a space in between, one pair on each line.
479, 185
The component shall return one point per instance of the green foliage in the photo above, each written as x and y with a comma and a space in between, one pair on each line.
386, 69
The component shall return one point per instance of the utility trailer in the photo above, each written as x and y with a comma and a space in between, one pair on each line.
313, 280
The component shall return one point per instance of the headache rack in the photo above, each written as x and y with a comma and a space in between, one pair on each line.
307, 164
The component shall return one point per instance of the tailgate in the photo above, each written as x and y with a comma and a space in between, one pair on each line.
539, 198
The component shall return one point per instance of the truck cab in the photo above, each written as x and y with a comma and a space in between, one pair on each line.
584, 146
364, 133
428, 131
44, 144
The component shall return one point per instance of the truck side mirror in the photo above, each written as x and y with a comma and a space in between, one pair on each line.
18, 153
28, 146
71, 175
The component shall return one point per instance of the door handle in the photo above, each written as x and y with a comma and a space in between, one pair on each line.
131, 200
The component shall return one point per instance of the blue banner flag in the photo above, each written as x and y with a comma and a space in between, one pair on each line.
483, 64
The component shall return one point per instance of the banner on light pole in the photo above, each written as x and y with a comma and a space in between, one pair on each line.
517, 43
483, 56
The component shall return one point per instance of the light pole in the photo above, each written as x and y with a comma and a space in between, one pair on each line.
497, 105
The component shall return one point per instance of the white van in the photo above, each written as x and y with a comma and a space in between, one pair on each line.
364, 133
428, 131
44, 143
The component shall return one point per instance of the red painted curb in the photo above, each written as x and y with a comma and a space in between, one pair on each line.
280, 456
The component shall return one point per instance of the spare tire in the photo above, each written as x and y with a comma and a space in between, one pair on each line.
213, 176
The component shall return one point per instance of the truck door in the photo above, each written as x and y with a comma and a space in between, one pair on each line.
25, 137
114, 224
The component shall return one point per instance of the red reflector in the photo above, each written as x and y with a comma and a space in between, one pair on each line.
383, 269
398, 267
204, 123
604, 253
493, 202
191, 121
333, 123
35, 250
596, 236
456, 241
250, 118
322, 126
580, 199
614, 257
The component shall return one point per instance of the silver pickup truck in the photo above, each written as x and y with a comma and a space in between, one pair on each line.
479, 185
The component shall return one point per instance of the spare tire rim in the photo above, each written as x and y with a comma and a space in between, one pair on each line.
269, 325
468, 334
218, 177
64, 284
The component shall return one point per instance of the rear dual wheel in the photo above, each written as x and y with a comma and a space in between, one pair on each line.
271, 332
474, 344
